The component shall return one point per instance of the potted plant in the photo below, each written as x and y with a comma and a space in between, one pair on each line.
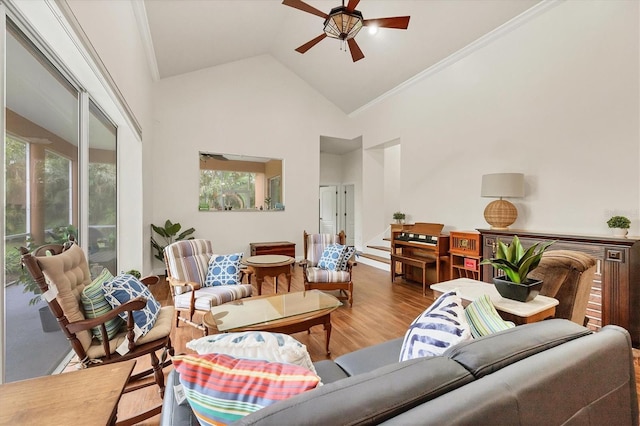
517, 263
619, 225
169, 234
399, 217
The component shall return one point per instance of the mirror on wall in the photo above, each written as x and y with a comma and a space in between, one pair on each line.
230, 182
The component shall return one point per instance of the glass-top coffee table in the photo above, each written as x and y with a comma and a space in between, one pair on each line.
280, 313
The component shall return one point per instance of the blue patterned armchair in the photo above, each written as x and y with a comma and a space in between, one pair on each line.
187, 263
316, 276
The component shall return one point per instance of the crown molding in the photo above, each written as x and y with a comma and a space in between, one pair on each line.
140, 12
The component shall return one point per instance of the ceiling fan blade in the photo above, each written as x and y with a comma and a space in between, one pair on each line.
300, 5
308, 45
352, 5
398, 22
356, 53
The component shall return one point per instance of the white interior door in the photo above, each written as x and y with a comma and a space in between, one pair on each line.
328, 212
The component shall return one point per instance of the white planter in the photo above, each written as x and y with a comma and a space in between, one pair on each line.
619, 232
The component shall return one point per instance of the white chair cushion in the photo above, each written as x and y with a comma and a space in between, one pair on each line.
213, 296
319, 275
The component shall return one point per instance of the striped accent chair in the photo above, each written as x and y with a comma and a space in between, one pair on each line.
316, 278
187, 263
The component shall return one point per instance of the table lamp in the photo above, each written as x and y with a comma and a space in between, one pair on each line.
501, 213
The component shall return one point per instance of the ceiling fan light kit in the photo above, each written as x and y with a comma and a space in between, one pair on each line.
344, 23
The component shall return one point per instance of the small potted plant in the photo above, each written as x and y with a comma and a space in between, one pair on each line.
399, 217
517, 263
619, 225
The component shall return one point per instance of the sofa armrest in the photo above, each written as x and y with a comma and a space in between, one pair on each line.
172, 413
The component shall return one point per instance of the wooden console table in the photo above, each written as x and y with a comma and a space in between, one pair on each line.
88, 396
615, 294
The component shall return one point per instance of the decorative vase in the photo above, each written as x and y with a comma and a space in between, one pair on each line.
524, 292
620, 232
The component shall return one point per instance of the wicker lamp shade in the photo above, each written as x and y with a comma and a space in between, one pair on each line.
501, 213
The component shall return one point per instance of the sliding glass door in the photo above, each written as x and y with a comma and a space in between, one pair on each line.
47, 164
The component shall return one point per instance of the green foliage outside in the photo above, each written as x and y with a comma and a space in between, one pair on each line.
55, 179
222, 190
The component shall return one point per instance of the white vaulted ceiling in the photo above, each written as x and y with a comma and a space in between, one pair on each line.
189, 35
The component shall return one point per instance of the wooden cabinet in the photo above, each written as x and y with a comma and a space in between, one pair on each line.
284, 248
465, 254
615, 294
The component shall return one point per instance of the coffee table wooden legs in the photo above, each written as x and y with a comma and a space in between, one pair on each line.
327, 331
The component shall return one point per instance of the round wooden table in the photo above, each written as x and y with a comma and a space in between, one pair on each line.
270, 265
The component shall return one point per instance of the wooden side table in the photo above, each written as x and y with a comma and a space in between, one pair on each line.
88, 396
270, 265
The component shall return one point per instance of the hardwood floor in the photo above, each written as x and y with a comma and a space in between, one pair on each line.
381, 311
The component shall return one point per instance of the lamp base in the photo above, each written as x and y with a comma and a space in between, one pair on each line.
500, 214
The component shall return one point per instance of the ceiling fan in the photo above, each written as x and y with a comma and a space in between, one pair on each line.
343, 23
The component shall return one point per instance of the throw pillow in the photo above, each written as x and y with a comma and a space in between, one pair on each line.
484, 319
330, 257
95, 305
222, 389
223, 270
440, 326
126, 287
274, 347
348, 252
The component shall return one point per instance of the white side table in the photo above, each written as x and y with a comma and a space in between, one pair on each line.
540, 308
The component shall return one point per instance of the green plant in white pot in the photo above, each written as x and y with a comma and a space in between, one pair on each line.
619, 225
517, 263
399, 217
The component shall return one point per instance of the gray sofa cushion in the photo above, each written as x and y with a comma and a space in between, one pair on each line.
371, 358
367, 398
580, 382
491, 353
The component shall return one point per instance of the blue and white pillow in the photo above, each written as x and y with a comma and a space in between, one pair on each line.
343, 262
440, 326
330, 257
126, 287
224, 269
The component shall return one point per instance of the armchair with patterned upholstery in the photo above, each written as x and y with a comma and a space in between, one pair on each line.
100, 336
187, 264
322, 278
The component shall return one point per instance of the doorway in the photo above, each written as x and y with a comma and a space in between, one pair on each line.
328, 209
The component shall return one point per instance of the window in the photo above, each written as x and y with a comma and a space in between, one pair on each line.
42, 195
235, 182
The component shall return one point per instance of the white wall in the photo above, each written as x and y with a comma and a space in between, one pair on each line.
112, 29
252, 107
556, 99
330, 169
